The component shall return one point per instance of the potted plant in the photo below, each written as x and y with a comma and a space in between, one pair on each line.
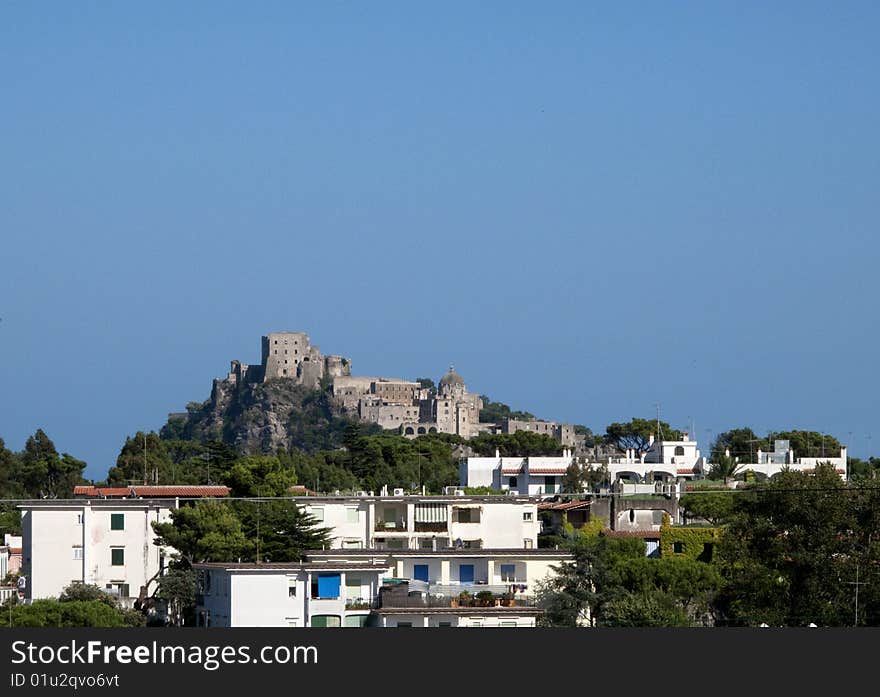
507, 600
465, 599
485, 599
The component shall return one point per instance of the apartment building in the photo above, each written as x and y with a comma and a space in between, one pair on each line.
427, 522
391, 588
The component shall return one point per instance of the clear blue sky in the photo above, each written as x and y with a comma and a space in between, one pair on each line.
588, 208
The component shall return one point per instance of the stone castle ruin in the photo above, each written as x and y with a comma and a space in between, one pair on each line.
401, 405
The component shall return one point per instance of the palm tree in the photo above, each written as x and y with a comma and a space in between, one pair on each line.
725, 468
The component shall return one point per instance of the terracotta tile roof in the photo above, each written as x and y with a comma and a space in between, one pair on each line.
547, 470
101, 491
686, 471
181, 490
150, 491
15, 550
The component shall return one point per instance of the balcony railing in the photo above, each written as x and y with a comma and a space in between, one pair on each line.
425, 600
390, 526
416, 594
431, 527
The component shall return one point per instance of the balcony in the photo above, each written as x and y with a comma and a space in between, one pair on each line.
398, 525
418, 594
431, 527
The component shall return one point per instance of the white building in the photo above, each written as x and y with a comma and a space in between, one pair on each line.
530, 476
783, 457
108, 543
391, 588
664, 460
287, 595
426, 522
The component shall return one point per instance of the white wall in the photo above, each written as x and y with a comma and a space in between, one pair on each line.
53, 533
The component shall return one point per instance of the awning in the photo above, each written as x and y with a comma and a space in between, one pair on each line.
431, 513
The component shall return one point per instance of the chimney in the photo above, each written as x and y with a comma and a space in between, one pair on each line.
684, 436
650, 439
497, 453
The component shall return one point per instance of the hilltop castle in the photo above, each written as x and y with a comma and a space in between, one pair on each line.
412, 408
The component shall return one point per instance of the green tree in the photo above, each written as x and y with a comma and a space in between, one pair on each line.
496, 412
43, 473
177, 588
77, 613
789, 546
10, 520
142, 460
519, 444
741, 443
578, 478
636, 433
10, 486
649, 608
260, 476
281, 530
714, 507
207, 531
86, 592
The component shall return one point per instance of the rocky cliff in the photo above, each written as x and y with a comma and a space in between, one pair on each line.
263, 417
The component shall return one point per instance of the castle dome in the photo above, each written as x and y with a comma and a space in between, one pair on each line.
451, 379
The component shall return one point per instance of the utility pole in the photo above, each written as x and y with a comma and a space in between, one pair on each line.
857, 583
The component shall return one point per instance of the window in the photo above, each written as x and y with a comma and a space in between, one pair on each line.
351, 544
326, 621
117, 521
356, 620
476, 623
508, 572
404, 624
679, 450
79, 518
318, 514
420, 572
353, 586
444, 624
527, 515
466, 573
351, 515
326, 586
77, 553
117, 556
291, 588
513, 482
678, 547
508, 624
549, 484
527, 543
293, 623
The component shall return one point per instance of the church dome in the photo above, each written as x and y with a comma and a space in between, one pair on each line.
451, 379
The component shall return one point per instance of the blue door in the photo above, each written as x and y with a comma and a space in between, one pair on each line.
466, 573
420, 572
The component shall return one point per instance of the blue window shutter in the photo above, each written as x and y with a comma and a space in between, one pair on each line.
328, 585
420, 572
466, 573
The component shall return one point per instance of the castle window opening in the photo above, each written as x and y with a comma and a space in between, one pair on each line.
679, 450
